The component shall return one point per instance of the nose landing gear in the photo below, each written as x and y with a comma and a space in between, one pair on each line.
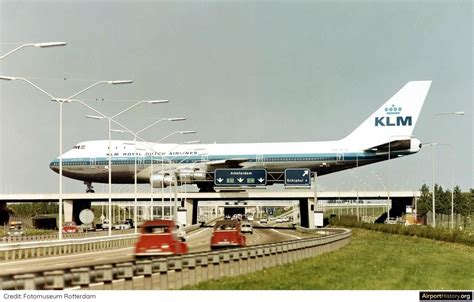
90, 188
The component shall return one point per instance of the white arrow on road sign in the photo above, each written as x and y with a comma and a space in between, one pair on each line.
220, 179
240, 179
261, 179
305, 172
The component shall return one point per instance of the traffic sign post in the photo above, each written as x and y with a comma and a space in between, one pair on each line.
298, 177
240, 177
270, 211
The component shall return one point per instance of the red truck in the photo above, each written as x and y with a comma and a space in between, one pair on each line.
227, 234
159, 238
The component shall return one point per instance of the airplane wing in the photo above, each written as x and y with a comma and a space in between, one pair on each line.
226, 163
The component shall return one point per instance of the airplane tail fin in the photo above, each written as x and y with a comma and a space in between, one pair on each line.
394, 120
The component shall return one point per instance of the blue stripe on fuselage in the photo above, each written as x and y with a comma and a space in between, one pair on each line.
267, 158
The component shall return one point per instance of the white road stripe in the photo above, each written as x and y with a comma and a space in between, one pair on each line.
194, 234
294, 236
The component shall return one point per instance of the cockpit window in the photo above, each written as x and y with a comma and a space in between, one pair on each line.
79, 147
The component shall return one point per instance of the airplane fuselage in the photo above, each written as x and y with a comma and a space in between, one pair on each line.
384, 135
89, 161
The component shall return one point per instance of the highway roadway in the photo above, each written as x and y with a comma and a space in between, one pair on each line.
198, 241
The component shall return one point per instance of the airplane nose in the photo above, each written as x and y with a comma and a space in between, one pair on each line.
54, 165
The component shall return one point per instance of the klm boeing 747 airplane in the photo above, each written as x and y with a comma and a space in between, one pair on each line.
386, 134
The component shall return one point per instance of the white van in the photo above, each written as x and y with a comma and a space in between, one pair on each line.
246, 227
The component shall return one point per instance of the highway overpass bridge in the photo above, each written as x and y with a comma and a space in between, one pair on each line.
308, 200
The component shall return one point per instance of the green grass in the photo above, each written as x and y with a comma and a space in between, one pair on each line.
373, 260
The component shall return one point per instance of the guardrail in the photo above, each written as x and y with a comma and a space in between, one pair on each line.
26, 250
16, 239
177, 272
52, 247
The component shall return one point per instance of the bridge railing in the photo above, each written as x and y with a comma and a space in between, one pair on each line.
179, 271
34, 249
15, 239
42, 246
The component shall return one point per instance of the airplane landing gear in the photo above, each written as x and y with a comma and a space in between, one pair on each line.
90, 188
206, 187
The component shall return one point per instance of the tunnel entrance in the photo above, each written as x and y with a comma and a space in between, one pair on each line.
231, 211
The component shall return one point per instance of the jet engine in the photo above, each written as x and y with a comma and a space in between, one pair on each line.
185, 176
161, 180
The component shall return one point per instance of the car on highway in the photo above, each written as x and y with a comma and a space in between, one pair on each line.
180, 232
263, 221
103, 226
15, 228
227, 233
123, 225
159, 238
391, 220
246, 227
70, 227
279, 220
86, 228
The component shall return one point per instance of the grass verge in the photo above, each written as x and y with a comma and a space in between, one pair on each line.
443, 234
373, 260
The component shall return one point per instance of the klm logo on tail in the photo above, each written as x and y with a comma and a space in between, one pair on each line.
393, 118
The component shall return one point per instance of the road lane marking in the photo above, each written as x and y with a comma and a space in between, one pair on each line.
286, 234
255, 234
194, 234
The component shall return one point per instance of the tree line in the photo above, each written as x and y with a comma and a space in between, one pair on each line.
463, 202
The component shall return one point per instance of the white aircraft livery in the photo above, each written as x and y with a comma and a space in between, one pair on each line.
385, 135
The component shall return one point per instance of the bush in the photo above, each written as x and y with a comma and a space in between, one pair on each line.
422, 231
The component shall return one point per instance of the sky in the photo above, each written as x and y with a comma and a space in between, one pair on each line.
239, 71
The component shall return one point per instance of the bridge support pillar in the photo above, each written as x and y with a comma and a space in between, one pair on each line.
72, 208
68, 206
306, 212
191, 207
78, 206
4, 216
311, 209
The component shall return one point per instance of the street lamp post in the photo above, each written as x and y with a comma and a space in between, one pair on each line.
175, 119
41, 45
162, 165
388, 168
357, 208
433, 144
135, 135
61, 102
433, 159
109, 121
